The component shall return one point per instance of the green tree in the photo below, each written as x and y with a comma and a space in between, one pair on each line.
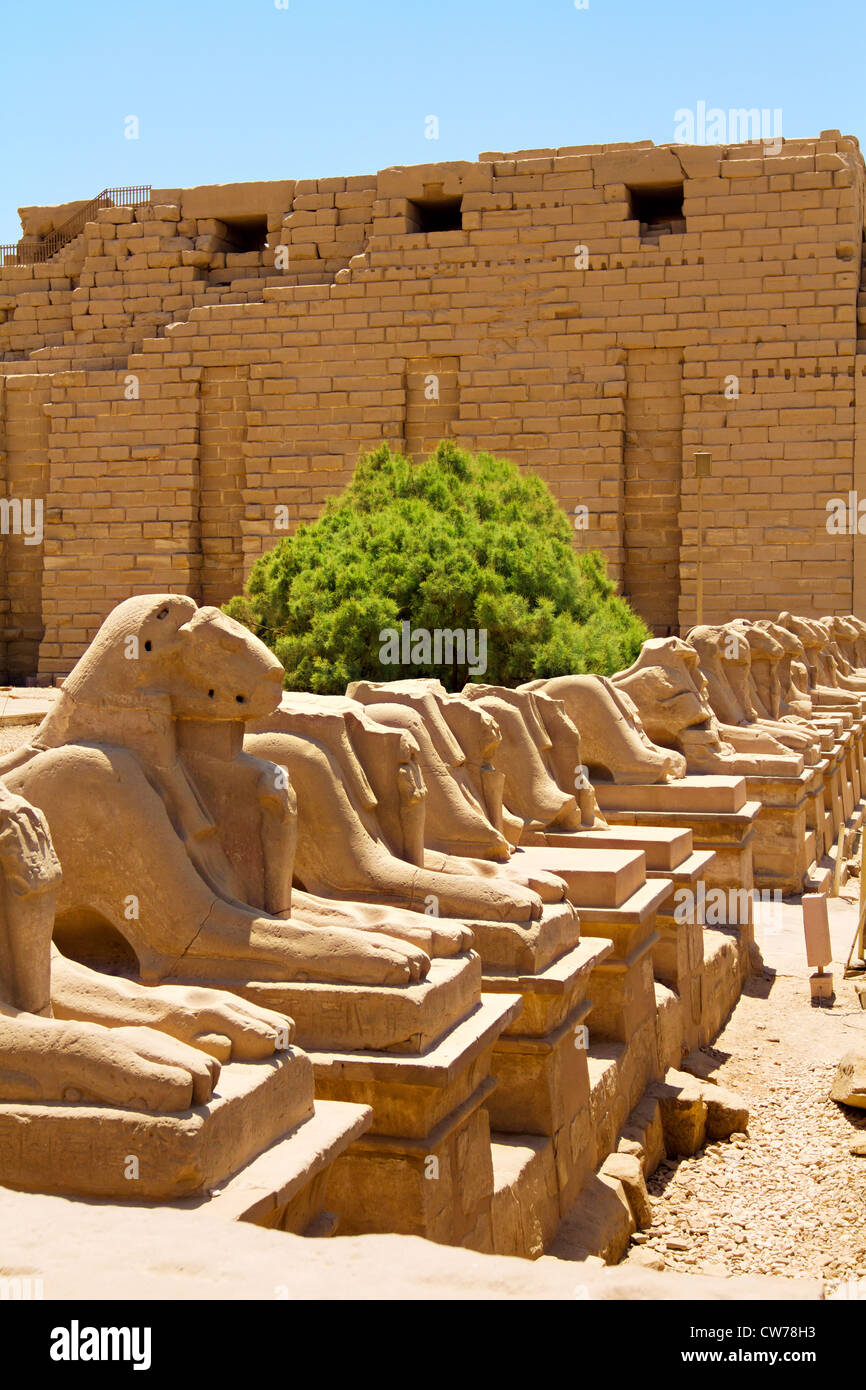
458, 542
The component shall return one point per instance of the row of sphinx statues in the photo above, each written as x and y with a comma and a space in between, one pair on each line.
178, 825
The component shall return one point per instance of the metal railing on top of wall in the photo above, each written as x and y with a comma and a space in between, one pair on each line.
24, 253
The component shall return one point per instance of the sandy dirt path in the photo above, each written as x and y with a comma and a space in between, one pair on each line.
791, 1197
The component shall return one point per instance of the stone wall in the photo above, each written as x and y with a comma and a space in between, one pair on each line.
184, 372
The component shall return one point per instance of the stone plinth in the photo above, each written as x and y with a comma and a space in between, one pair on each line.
425, 1166
526, 1209
419, 1056
539, 1062
678, 954
622, 985
720, 814
594, 877
783, 849
96, 1151
399, 1018
286, 1187
818, 822
663, 848
529, 948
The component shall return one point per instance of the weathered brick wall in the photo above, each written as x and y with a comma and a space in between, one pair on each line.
175, 397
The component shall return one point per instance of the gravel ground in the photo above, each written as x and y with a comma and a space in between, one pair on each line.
789, 1198
15, 735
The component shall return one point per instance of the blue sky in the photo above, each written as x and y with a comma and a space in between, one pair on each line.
240, 89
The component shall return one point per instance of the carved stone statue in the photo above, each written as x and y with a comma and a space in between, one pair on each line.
348, 847
726, 656
614, 744
175, 844
456, 819
823, 689
670, 691
70, 1034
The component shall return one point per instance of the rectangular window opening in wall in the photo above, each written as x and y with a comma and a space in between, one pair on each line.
658, 209
247, 233
436, 215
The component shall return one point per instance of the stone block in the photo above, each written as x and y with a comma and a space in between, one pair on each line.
683, 1113
93, 1147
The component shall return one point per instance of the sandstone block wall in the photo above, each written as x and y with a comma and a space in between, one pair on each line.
185, 371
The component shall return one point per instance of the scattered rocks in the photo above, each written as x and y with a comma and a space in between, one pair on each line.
648, 1259
789, 1198
849, 1083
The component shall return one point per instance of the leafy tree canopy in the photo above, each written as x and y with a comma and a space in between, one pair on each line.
459, 542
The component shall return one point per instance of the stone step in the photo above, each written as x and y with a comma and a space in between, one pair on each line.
526, 948
81, 1150
371, 1019
618, 922
594, 877
274, 1189
706, 794
525, 1204
548, 996
693, 868
664, 848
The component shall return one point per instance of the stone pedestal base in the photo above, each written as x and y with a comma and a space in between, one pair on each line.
405, 1018
678, 955
619, 1076
526, 948
833, 793
539, 1063
425, 1167
663, 847
526, 1202
719, 814
783, 851
129, 1155
818, 823
621, 985
678, 958
286, 1187
723, 980
595, 877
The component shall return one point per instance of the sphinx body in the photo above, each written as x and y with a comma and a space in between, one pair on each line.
822, 676
671, 693
614, 743
727, 656
476, 844
844, 640
68, 1034
783, 690
531, 792
456, 821
352, 841
172, 840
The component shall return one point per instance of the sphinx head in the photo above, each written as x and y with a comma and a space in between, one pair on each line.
668, 688
162, 651
804, 630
